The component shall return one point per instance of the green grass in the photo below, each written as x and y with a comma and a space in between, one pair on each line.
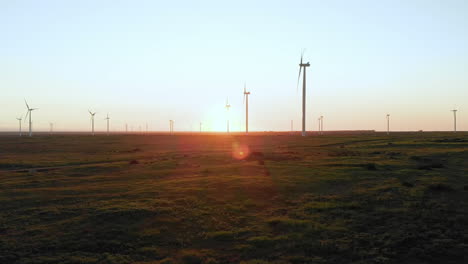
321, 199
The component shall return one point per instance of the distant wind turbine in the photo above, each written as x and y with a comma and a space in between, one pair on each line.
200, 126
303, 65
227, 109
454, 120
29, 112
126, 128
321, 125
388, 124
171, 126
19, 121
246, 101
107, 119
92, 121
51, 125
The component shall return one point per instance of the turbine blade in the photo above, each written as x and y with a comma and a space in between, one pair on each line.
245, 90
299, 78
26, 103
26, 116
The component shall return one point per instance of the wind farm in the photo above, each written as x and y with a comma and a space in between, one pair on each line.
240, 179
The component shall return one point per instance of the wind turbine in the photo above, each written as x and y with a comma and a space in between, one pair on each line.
107, 118
19, 121
388, 124
303, 65
51, 125
29, 112
126, 128
171, 126
227, 109
200, 126
321, 125
454, 120
246, 101
92, 121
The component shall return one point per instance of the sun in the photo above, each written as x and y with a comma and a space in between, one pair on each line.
216, 119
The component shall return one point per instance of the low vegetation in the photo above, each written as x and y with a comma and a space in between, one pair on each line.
211, 199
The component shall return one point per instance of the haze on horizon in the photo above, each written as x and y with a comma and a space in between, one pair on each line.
151, 61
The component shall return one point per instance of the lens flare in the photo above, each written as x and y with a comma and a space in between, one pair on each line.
240, 151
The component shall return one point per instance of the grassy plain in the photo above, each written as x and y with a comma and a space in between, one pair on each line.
343, 198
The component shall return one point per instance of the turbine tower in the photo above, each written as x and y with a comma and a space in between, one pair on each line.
227, 109
200, 126
19, 121
29, 112
388, 124
454, 120
246, 101
107, 118
171, 126
321, 125
51, 125
92, 121
303, 65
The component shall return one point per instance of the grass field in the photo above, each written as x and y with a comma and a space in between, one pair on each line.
266, 198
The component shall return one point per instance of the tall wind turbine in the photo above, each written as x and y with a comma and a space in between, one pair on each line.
454, 120
51, 125
29, 112
107, 119
246, 101
303, 65
227, 109
171, 126
388, 124
92, 121
19, 121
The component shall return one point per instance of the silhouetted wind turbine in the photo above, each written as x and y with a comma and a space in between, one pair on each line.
246, 101
454, 120
303, 65
19, 121
29, 112
107, 119
388, 124
92, 121
227, 108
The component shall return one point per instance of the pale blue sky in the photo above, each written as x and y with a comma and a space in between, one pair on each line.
151, 61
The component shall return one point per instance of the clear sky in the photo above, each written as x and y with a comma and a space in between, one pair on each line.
151, 61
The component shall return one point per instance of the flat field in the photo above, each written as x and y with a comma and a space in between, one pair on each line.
262, 198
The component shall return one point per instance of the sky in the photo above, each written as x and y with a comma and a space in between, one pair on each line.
146, 62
